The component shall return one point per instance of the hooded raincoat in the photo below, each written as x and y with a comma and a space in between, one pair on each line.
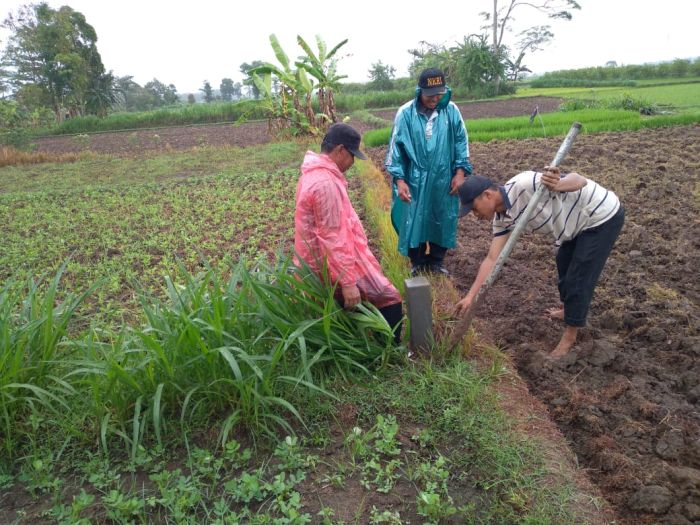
327, 230
425, 152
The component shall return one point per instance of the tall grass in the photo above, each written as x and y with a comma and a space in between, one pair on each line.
34, 325
232, 350
10, 156
236, 350
377, 201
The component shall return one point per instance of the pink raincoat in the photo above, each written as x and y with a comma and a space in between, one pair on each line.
328, 229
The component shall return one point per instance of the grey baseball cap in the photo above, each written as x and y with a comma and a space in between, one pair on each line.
471, 188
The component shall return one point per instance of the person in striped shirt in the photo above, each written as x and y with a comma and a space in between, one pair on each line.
584, 218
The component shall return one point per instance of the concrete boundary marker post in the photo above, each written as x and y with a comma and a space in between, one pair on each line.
420, 313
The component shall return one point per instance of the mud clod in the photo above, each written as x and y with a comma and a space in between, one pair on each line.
654, 498
670, 445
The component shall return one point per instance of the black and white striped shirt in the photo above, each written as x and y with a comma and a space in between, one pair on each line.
564, 214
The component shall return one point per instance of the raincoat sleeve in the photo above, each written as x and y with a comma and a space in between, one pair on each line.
397, 159
335, 240
461, 141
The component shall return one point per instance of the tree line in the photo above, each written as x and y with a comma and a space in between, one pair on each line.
678, 68
51, 67
50, 70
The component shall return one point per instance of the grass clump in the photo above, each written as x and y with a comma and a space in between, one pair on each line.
229, 350
624, 102
376, 205
11, 156
33, 327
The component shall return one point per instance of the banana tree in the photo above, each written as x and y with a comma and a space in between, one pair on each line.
322, 67
285, 103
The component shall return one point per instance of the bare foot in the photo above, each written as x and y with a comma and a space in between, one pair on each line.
556, 313
568, 338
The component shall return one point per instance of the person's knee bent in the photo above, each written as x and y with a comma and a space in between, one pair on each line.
394, 317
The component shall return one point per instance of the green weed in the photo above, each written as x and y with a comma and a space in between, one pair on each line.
33, 326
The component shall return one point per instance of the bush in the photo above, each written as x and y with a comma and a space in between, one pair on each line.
544, 82
18, 138
629, 103
174, 116
625, 102
575, 104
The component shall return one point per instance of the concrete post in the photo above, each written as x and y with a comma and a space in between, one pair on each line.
420, 312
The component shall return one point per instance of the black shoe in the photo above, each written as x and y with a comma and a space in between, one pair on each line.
417, 269
439, 269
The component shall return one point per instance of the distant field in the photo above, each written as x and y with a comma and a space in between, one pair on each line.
124, 220
553, 124
682, 94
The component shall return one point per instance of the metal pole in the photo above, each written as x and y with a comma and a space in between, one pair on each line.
464, 324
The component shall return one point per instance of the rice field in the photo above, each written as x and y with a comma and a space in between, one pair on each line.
678, 95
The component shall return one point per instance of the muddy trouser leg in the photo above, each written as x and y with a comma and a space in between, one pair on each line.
580, 262
437, 254
394, 315
417, 256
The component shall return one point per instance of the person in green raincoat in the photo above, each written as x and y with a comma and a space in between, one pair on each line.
428, 159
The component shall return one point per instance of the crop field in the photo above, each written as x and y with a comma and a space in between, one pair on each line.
679, 94
123, 220
678, 104
171, 366
203, 379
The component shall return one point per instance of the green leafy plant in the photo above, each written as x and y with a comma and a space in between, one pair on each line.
122, 508
247, 487
433, 505
70, 515
380, 475
387, 517
290, 105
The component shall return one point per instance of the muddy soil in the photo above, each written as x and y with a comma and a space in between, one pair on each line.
627, 397
247, 134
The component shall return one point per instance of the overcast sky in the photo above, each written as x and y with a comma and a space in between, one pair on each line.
186, 43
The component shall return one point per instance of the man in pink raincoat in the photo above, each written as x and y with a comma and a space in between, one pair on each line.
327, 229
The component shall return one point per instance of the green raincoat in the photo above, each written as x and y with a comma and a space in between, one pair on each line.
425, 152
